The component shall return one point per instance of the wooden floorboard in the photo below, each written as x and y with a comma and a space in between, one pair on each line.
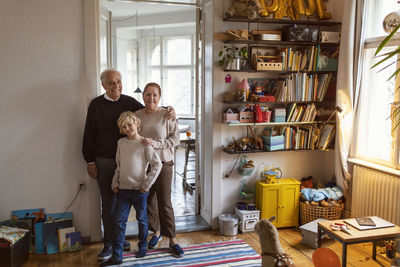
359, 255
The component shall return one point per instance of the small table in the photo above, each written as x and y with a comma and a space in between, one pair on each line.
357, 236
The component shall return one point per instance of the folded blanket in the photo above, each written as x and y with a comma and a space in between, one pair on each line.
312, 194
12, 234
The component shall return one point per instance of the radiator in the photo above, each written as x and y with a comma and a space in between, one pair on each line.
375, 193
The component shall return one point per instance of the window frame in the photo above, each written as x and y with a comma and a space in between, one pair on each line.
163, 68
373, 43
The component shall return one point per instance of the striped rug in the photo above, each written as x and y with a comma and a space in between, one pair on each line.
224, 253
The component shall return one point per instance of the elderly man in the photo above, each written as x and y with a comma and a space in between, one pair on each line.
100, 145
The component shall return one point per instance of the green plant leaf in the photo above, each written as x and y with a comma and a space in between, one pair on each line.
386, 40
389, 55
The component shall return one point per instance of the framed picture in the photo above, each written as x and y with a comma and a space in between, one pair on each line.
327, 135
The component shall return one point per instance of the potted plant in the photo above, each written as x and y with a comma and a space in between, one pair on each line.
232, 58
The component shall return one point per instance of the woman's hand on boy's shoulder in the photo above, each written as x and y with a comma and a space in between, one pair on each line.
148, 142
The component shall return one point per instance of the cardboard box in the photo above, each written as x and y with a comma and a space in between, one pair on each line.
309, 233
245, 116
17, 254
229, 117
330, 37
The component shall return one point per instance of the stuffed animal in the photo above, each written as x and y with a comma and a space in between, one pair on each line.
307, 182
244, 8
272, 252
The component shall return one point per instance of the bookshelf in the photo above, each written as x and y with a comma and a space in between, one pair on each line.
302, 81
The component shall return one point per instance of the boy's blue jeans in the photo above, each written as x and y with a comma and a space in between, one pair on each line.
126, 198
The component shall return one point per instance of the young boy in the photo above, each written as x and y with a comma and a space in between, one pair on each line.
131, 184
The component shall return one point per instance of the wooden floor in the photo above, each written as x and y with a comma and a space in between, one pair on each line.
357, 255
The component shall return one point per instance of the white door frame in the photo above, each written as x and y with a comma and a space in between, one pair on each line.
92, 63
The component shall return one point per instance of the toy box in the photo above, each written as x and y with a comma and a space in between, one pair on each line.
17, 254
309, 233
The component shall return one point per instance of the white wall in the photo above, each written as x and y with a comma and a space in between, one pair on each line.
43, 105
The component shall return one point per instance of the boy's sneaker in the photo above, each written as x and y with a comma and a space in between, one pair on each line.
105, 254
154, 241
112, 261
178, 251
127, 246
141, 253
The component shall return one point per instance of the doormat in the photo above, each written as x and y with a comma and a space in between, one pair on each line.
224, 253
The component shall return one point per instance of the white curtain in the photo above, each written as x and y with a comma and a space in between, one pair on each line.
348, 85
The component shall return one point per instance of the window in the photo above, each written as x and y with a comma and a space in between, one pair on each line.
170, 62
375, 140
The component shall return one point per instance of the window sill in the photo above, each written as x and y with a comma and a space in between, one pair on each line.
374, 166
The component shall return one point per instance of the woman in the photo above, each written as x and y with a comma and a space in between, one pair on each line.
162, 135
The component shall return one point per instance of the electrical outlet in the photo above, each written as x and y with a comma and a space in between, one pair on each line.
82, 186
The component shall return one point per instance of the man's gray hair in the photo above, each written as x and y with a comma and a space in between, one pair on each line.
103, 74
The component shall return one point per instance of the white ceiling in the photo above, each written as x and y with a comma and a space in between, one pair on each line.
125, 8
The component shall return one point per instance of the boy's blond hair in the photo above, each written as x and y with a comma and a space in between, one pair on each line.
128, 115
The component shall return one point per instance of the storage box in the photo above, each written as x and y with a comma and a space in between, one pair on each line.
273, 140
274, 147
269, 66
294, 33
17, 254
248, 219
279, 119
309, 233
330, 37
230, 117
246, 116
279, 114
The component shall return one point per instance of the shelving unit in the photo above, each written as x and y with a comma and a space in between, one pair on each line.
272, 24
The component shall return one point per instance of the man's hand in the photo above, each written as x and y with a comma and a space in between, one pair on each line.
148, 142
115, 190
142, 191
92, 170
171, 115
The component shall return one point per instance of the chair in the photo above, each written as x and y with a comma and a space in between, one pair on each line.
190, 149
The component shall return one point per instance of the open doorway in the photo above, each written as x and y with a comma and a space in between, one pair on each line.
158, 41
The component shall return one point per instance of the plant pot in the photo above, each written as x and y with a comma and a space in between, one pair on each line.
234, 65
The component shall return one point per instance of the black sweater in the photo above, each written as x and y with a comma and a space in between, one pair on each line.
101, 129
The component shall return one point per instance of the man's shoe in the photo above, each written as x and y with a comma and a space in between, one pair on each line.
105, 254
141, 253
178, 252
111, 261
154, 241
127, 246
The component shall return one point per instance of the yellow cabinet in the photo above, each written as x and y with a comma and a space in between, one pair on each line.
281, 200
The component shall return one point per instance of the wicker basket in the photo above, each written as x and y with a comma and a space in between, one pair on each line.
310, 213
